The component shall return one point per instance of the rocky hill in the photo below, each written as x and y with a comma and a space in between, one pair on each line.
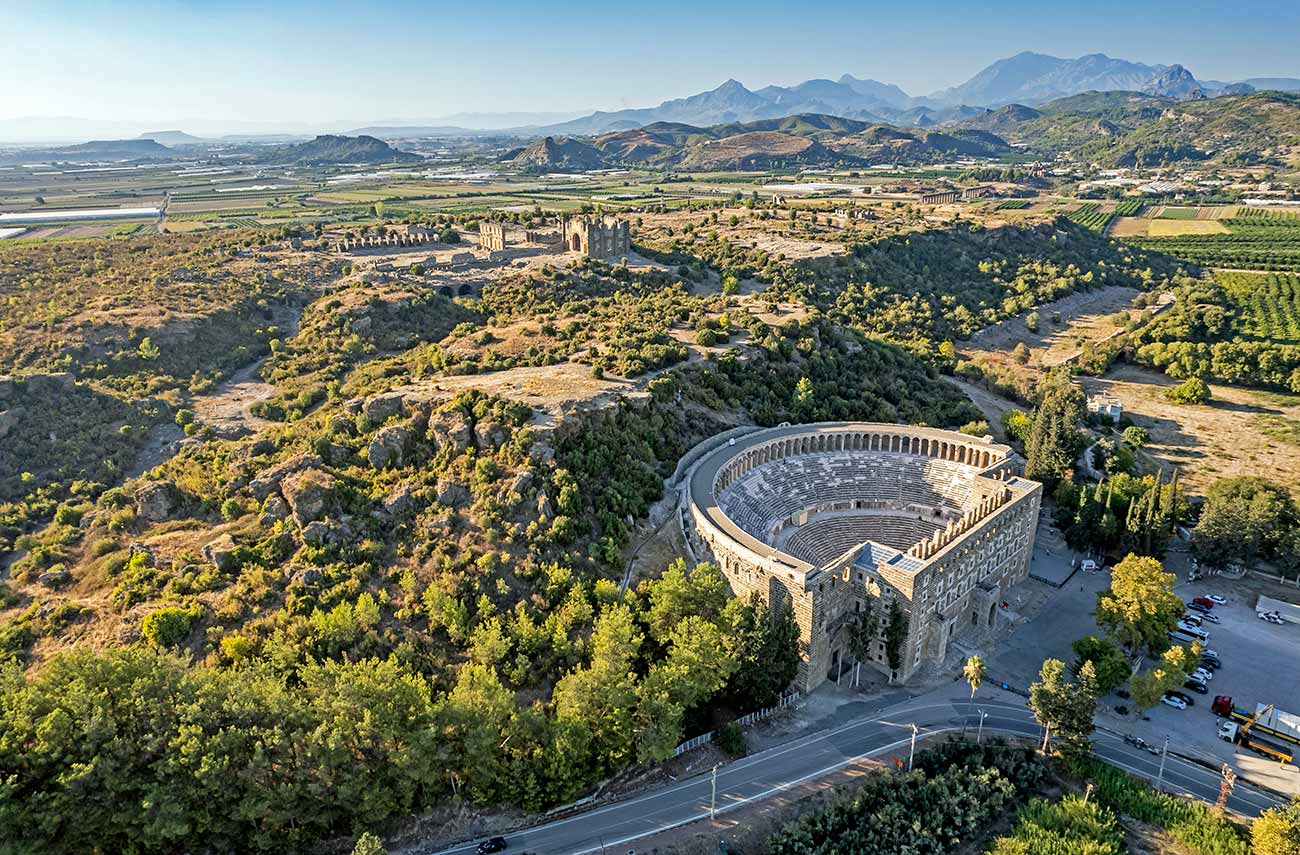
329, 148
559, 155
141, 149
1128, 128
803, 139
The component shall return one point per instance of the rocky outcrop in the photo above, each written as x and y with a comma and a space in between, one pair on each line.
400, 500
339, 423
220, 553
389, 446
269, 481
544, 506
452, 494
303, 575
307, 492
451, 428
156, 500
381, 408
274, 509
316, 533
521, 482
490, 435
336, 454
54, 579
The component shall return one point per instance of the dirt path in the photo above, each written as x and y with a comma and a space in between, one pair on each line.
229, 410
994, 407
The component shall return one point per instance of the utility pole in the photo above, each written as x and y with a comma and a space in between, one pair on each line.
912, 751
1225, 788
1160, 779
1087, 793
713, 797
980, 732
1047, 738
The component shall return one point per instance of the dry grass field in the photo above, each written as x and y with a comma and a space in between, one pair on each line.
1237, 432
1086, 317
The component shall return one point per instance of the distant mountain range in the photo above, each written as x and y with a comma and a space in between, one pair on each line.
1026, 78
324, 149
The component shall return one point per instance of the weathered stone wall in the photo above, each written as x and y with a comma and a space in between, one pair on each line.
603, 238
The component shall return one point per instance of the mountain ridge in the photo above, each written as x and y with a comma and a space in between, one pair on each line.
1027, 79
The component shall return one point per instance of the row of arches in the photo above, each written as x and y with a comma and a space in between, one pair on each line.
965, 453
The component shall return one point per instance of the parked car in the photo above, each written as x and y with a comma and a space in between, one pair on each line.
1209, 653
492, 844
1271, 617
1194, 620
1172, 700
1204, 601
1212, 618
1204, 673
1185, 698
1216, 599
1197, 686
1211, 663
1198, 608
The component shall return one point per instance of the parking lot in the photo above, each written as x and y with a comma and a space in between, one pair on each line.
1261, 661
1261, 664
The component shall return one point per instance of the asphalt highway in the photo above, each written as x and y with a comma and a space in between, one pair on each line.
614, 829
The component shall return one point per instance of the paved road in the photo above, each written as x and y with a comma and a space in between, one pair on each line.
612, 829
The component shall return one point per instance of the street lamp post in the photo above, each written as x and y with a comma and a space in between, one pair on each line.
1160, 779
912, 751
713, 797
979, 733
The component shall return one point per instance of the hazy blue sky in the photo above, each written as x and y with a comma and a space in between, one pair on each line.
283, 60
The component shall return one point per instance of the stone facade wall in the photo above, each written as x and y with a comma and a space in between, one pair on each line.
492, 236
604, 238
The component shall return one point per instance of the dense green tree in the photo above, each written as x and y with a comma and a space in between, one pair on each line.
895, 635
1067, 709
766, 644
1140, 607
1108, 661
1244, 519
678, 594
1193, 390
472, 719
1054, 441
601, 698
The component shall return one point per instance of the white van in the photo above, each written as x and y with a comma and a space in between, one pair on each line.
1195, 631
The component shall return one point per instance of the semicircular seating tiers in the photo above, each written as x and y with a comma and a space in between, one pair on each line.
815, 497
